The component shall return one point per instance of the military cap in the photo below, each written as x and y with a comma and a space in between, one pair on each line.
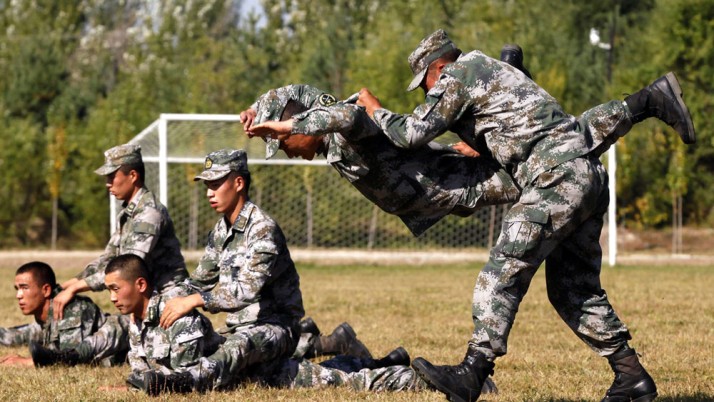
127, 154
430, 48
219, 163
274, 108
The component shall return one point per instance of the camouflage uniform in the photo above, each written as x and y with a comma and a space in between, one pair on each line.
421, 186
178, 347
145, 229
558, 218
20, 335
246, 271
343, 371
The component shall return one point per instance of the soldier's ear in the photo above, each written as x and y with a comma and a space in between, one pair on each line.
240, 183
46, 290
141, 284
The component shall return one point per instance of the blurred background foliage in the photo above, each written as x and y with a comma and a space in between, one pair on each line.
77, 77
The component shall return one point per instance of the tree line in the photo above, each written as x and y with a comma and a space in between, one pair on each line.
77, 77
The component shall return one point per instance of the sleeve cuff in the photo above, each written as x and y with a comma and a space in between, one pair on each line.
95, 281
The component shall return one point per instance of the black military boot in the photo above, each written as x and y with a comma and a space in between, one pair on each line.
513, 55
156, 382
343, 340
308, 326
460, 383
663, 100
397, 357
632, 383
43, 356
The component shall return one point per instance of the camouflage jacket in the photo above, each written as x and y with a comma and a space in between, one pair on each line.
21, 334
420, 186
497, 111
82, 318
247, 271
145, 229
181, 345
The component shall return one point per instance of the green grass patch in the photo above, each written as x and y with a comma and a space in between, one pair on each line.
426, 309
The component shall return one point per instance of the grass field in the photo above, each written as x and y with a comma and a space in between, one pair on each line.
669, 310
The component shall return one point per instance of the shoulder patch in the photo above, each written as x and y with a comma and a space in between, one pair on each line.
326, 100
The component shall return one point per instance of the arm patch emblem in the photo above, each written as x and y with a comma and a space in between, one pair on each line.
326, 100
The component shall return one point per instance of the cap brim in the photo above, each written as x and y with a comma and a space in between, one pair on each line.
417, 80
271, 148
210, 175
107, 170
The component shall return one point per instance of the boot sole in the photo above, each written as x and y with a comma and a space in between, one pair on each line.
673, 82
421, 367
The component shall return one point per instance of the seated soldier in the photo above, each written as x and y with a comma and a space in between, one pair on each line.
83, 321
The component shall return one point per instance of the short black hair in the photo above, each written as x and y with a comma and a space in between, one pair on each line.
139, 167
131, 267
41, 272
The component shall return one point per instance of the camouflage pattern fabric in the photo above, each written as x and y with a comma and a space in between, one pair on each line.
179, 347
20, 335
109, 345
245, 348
558, 219
420, 186
81, 319
305, 345
146, 230
247, 271
345, 371
499, 112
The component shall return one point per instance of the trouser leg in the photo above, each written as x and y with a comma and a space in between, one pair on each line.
575, 291
246, 347
549, 210
606, 123
349, 372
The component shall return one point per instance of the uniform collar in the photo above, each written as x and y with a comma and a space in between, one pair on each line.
130, 207
243, 217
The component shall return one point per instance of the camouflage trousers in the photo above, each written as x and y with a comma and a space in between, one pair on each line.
558, 219
244, 347
346, 371
110, 344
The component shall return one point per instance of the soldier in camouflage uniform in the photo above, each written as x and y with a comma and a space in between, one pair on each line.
558, 218
152, 347
246, 271
145, 229
36, 287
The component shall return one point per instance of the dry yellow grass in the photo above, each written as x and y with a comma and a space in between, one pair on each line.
670, 312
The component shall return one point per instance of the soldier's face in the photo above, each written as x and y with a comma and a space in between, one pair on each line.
300, 145
125, 295
31, 297
121, 185
224, 194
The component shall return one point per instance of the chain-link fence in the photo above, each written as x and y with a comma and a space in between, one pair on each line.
314, 206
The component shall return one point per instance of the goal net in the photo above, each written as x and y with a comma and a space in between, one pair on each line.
314, 206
